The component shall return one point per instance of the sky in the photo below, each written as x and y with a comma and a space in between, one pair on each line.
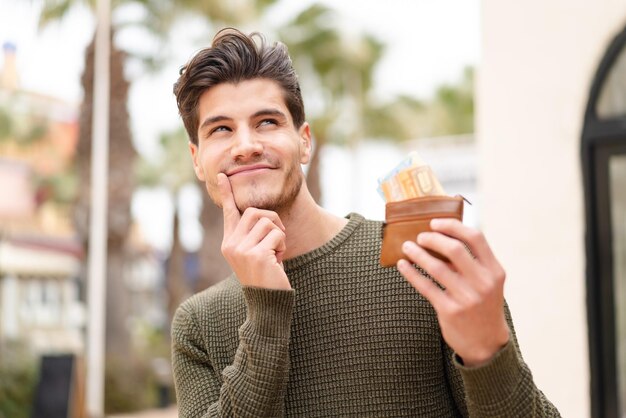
428, 43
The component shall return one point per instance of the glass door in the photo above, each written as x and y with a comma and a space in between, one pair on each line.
617, 208
603, 152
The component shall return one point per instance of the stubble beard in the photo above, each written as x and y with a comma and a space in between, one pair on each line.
258, 197
279, 202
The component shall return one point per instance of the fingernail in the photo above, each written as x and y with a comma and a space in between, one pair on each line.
402, 264
407, 245
435, 223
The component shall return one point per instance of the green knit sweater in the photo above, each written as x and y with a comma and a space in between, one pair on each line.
351, 339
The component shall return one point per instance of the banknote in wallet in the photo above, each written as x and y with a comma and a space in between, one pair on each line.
414, 196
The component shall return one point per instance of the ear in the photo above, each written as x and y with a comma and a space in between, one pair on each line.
305, 144
197, 167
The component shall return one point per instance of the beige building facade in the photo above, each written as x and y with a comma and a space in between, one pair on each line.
539, 60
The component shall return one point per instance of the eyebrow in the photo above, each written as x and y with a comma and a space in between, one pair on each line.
269, 112
212, 120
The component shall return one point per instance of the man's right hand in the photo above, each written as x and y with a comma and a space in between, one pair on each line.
254, 242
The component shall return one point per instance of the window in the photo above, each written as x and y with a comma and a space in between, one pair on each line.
617, 193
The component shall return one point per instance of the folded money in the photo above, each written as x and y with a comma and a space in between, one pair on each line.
410, 178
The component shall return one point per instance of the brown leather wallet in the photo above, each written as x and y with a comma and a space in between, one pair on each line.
405, 219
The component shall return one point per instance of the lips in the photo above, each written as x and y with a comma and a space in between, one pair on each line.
247, 168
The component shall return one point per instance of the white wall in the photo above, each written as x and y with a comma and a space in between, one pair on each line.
538, 61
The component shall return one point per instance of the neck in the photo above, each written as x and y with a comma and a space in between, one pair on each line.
308, 226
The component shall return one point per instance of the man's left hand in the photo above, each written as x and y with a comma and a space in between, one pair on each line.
470, 307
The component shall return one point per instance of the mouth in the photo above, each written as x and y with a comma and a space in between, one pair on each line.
248, 169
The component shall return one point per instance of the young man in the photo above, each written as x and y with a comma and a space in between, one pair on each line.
309, 324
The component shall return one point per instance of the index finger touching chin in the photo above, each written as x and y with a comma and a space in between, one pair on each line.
229, 207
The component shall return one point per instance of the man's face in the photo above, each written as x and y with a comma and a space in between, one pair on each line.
246, 132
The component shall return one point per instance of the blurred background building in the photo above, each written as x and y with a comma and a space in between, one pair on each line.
39, 261
551, 140
42, 257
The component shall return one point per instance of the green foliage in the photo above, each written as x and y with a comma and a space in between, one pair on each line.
54, 10
36, 131
173, 168
17, 389
449, 112
132, 384
6, 124
23, 127
225, 12
336, 70
147, 173
18, 380
455, 106
339, 70
129, 386
395, 120
61, 187
320, 49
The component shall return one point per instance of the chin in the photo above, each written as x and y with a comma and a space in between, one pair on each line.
265, 203
275, 201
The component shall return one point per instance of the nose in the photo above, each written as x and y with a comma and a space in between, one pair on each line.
245, 145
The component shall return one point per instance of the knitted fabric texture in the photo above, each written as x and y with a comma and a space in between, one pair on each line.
351, 339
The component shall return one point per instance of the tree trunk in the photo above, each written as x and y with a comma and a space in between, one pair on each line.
121, 160
175, 275
213, 266
118, 345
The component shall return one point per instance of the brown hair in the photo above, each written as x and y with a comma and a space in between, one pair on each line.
234, 57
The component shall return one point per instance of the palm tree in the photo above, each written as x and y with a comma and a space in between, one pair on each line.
339, 69
121, 186
453, 106
158, 18
173, 171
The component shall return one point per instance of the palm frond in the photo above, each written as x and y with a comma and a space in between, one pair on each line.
56, 10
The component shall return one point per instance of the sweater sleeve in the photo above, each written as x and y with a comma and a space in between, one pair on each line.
502, 387
255, 383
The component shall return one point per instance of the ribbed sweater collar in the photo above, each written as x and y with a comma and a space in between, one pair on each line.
354, 220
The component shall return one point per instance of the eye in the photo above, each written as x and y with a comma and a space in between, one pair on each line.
266, 122
220, 128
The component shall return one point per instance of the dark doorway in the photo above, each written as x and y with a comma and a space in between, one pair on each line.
603, 155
